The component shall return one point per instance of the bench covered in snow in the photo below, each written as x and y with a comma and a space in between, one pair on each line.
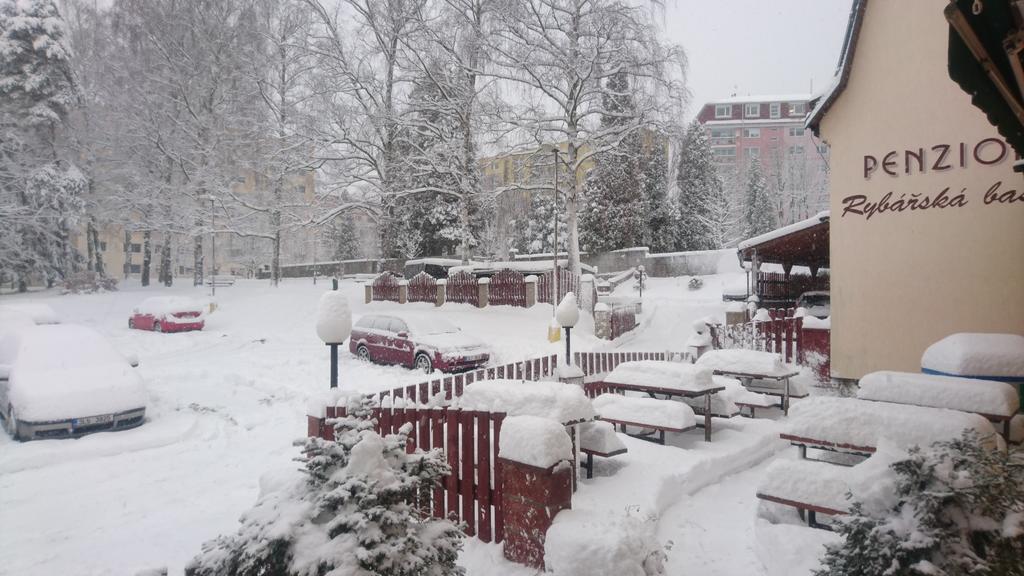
751, 365
731, 401
997, 401
655, 377
998, 357
820, 488
599, 439
648, 413
856, 426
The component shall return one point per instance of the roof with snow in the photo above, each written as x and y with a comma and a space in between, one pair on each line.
820, 104
803, 243
763, 98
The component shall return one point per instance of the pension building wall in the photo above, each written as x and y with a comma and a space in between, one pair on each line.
927, 226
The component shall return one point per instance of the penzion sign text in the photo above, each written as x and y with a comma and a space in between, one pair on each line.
937, 158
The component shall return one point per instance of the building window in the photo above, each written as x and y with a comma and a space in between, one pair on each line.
753, 153
796, 150
135, 268
751, 132
723, 110
797, 108
725, 154
796, 132
136, 248
752, 110
823, 148
720, 136
775, 109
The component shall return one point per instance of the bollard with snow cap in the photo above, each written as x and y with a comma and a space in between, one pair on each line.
333, 326
567, 314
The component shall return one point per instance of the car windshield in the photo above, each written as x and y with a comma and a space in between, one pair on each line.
816, 300
429, 326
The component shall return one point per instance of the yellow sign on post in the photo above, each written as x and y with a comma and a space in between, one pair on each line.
554, 332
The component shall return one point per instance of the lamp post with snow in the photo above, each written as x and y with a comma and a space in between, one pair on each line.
333, 326
567, 315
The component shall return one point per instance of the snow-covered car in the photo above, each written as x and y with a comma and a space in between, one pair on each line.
817, 304
63, 381
39, 313
167, 314
422, 342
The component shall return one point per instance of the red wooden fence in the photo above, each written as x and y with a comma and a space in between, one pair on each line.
782, 335
436, 392
462, 288
599, 362
423, 288
385, 287
508, 288
623, 320
567, 282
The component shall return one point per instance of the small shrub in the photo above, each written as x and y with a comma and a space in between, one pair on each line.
88, 283
959, 510
695, 283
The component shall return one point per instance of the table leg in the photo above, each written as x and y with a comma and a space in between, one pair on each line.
785, 398
707, 417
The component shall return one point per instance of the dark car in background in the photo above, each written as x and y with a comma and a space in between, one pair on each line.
423, 342
817, 303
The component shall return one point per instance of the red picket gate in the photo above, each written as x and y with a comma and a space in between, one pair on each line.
782, 335
462, 288
623, 320
567, 282
423, 288
599, 362
508, 288
385, 287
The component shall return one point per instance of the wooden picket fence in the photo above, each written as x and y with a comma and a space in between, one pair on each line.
507, 288
599, 362
773, 286
567, 282
462, 288
783, 334
623, 320
385, 287
423, 288
469, 440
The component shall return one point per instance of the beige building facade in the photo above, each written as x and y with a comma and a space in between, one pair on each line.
927, 214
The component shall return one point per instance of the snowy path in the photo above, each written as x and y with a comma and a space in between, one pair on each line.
712, 531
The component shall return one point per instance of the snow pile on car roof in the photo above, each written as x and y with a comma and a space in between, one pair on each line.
161, 305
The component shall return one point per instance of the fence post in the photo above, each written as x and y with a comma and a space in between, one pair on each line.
483, 292
368, 291
403, 291
442, 292
531, 290
602, 321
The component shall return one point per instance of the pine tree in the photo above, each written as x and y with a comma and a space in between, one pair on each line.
40, 190
342, 236
659, 228
759, 213
958, 510
701, 193
355, 513
540, 230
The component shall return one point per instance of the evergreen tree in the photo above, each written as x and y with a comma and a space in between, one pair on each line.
701, 193
540, 231
958, 510
759, 212
612, 214
659, 227
356, 513
342, 236
40, 190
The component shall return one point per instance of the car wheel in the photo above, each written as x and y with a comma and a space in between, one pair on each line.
131, 323
423, 363
157, 327
363, 353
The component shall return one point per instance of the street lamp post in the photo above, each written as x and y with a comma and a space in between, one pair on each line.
567, 314
213, 247
333, 326
554, 223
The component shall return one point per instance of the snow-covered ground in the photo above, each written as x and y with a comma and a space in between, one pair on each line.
226, 404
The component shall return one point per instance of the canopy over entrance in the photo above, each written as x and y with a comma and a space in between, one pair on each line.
803, 243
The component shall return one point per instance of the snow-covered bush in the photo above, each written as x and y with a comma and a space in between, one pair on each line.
355, 513
695, 283
88, 283
958, 509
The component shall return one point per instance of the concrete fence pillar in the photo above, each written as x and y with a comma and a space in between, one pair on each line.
536, 484
586, 295
531, 290
442, 292
483, 292
368, 291
403, 291
602, 321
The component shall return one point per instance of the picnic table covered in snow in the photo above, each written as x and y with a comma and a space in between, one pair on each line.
750, 365
655, 377
998, 357
857, 426
997, 401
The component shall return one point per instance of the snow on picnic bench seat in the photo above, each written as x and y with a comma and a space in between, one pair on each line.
649, 412
985, 397
859, 425
726, 404
600, 438
565, 403
808, 485
660, 374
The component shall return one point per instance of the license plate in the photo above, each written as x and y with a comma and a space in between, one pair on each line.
475, 357
92, 420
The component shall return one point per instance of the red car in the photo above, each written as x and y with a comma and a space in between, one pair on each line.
421, 342
167, 314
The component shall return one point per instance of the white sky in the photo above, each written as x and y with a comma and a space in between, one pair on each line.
756, 46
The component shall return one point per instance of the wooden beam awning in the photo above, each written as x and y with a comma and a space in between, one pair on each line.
803, 243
